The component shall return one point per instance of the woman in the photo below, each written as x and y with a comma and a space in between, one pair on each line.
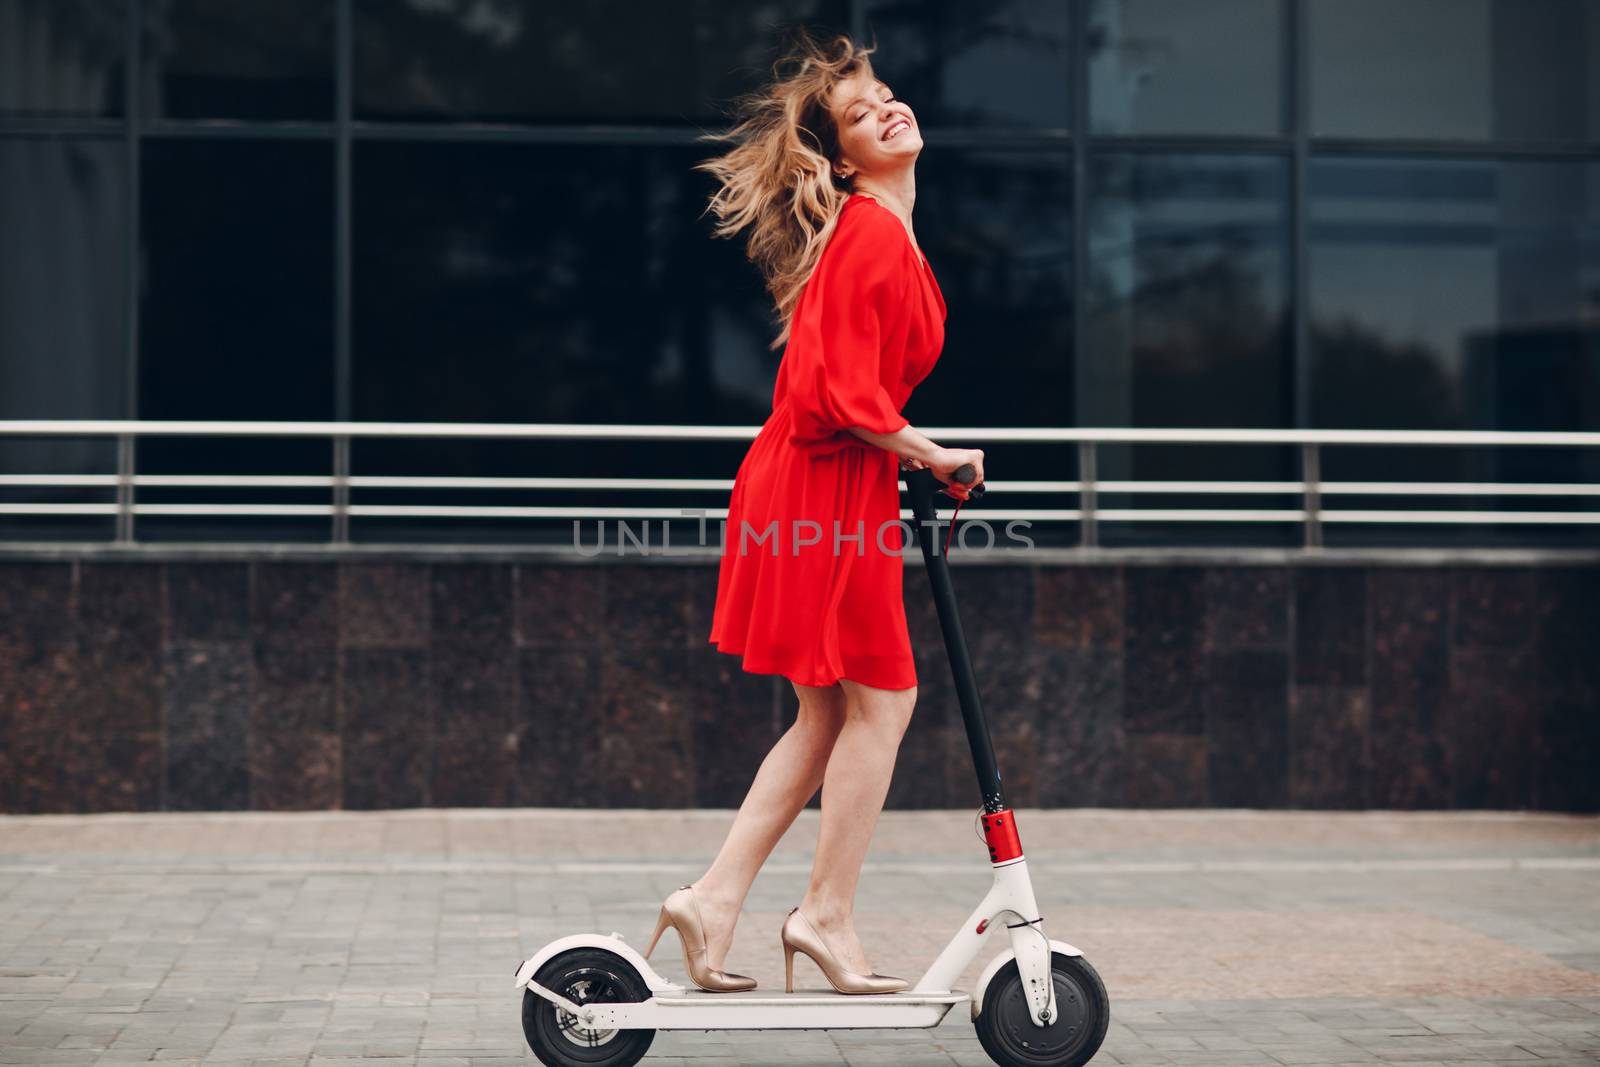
810, 578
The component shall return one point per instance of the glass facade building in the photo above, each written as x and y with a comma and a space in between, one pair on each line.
1185, 213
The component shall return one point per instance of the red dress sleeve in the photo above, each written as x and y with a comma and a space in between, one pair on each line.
836, 361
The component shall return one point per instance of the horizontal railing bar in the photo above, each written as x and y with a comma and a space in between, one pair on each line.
314, 481
995, 514
593, 431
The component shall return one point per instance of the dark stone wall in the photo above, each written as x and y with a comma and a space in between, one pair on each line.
271, 683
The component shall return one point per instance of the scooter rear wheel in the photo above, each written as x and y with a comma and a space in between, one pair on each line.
1083, 1011
584, 975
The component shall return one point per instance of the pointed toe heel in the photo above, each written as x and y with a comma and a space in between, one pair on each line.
798, 935
682, 912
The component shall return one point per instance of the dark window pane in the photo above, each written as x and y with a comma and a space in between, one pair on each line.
1001, 64
239, 59
997, 231
62, 58
62, 261
1187, 326
62, 315
236, 323
1187, 292
1175, 66
1466, 69
605, 60
236, 311
1456, 294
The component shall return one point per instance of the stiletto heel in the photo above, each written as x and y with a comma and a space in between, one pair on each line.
661, 924
801, 936
788, 967
682, 912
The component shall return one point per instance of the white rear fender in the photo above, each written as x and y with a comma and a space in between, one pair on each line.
611, 942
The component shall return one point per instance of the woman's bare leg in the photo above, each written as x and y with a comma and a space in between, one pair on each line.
853, 789
787, 778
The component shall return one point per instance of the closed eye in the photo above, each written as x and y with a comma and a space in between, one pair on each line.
864, 114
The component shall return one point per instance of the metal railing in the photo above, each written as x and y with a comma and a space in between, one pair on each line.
1313, 493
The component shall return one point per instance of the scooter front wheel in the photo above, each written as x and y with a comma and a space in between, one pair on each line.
584, 975
1083, 1011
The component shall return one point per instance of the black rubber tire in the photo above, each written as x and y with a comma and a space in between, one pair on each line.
583, 975
1011, 1038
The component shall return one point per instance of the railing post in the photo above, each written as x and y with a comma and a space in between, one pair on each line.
1090, 536
125, 458
1311, 473
341, 489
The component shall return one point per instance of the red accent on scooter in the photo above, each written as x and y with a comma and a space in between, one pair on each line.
1000, 832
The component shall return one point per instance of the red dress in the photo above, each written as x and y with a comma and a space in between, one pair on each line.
807, 587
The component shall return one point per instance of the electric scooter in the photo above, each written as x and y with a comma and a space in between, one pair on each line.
591, 1000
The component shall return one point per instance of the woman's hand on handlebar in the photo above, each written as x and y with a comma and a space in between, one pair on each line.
944, 465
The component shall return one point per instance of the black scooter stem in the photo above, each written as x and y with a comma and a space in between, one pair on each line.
924, 489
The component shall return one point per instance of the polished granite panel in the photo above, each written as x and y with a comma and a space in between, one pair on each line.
303, 685
206, 705
562, 605
473, 769
472, 686
1081, 751
472, 603
294, 603
38, 602
295, 770
926, 764
1568, 641
109, 771
1490, 731
1164, 628
1330, 626
384, 605
1409, 688
1165, 771
1495, 607
1328, 763
645, 755
735, 717
559, 726
208, 601
386, 735
1078, 607
1247, 727
1247, 607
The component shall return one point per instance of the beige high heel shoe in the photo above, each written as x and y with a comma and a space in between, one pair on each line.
682, 912
798, 935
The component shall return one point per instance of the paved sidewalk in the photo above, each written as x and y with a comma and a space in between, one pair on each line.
390, 937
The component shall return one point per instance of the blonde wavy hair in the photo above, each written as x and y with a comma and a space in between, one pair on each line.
778, 182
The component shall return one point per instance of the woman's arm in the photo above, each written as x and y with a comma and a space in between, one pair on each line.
916, 450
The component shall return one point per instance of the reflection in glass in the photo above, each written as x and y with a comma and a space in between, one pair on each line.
239, 59
62, 315
62, 59
1456, 294
1466, 69
1175, 66
998, 64
597, 61
1187, 319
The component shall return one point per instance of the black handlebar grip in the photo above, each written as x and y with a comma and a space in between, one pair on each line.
965, 474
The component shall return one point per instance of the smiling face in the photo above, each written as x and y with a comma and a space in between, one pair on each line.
877, 133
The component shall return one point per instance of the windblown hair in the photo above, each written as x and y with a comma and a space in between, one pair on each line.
778, 182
